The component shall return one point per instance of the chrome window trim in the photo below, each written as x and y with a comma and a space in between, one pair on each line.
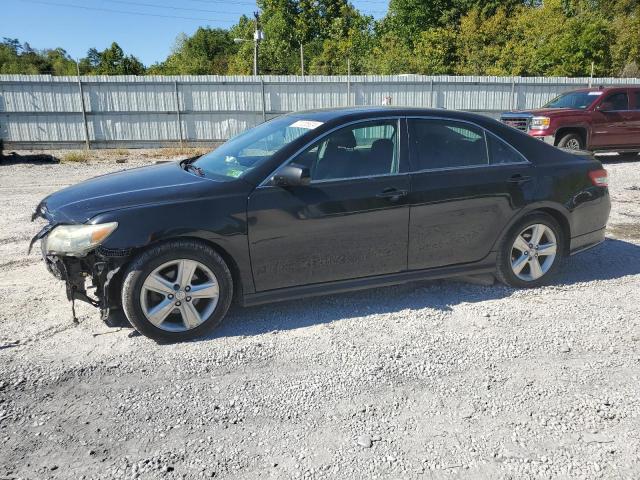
480, 165
265, 183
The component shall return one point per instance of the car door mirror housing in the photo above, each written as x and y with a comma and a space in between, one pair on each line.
291, 176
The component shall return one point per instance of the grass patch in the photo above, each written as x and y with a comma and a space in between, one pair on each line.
174, 152
76, 156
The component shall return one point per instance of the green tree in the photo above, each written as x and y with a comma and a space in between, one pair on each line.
206, 52
111, 61
484, 46
436, 51
389, 56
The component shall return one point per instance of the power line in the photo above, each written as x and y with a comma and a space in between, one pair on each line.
153, 5
125, 12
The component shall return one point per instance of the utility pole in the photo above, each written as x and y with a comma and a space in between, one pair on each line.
257, 37
301, 60
87, 143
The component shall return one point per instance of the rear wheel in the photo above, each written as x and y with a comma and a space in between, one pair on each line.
531, 252
572, 141
629, 156
177, 291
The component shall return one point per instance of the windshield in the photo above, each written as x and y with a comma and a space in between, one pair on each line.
240, 154
580, 100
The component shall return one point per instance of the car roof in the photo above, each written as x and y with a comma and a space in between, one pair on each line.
363, 112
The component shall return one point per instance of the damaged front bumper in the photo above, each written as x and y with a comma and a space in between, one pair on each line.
97, 271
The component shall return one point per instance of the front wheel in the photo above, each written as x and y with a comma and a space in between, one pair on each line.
531, 252
177, 291
572, 141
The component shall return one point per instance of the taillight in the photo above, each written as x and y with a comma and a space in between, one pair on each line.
599, 178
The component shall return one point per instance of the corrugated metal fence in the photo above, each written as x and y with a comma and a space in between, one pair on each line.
41, 111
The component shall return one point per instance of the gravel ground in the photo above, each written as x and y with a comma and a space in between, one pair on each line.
431, 380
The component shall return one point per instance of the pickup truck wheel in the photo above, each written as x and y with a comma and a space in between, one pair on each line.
572, 141
177, 291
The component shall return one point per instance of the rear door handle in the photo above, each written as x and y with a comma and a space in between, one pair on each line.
392, 194
520, 179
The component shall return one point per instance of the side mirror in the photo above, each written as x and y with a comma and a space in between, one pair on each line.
291, 175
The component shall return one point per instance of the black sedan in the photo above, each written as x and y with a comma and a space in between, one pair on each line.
320, 202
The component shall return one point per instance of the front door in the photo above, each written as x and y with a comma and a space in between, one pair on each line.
635, 118
466, 186
611, 122
351, 221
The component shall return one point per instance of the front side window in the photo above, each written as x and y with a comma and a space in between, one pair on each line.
636, 94
616, 102
361, 150
438, 144
242, 153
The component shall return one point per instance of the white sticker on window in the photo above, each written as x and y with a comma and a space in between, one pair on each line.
595, 93
308, 124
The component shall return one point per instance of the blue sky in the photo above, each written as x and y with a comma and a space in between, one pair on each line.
77, 25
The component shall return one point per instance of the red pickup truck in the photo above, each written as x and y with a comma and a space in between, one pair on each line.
595, 119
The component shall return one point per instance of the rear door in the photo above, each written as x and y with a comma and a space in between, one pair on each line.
466, 185
351, 221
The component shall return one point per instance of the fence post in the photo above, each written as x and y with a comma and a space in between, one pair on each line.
87, 143
264, 101
348, 81
431, 94
513, 94
178, 118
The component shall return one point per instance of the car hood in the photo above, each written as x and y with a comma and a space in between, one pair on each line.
154, 184
544, 112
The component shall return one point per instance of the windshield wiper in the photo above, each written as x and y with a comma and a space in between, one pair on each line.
198, 170
188, 165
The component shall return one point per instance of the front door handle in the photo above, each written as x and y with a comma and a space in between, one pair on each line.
393, 194
520, 179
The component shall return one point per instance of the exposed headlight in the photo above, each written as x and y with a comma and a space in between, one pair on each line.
77, 240
540, 123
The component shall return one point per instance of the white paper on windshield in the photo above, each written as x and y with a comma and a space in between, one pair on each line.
595, 93
307, 124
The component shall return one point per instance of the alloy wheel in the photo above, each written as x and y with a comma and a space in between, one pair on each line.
179, 295
533, 252
573, 144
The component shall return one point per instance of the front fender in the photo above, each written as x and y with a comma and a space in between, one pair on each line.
140, 227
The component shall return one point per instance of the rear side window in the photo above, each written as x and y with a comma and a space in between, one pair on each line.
501, 153
445, 144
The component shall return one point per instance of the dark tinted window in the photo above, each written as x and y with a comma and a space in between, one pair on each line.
361, 150
636, 95
500, 152
445, 144
617, 101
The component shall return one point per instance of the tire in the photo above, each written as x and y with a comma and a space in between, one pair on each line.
628, 156
572, 141
510, 258
178, 314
